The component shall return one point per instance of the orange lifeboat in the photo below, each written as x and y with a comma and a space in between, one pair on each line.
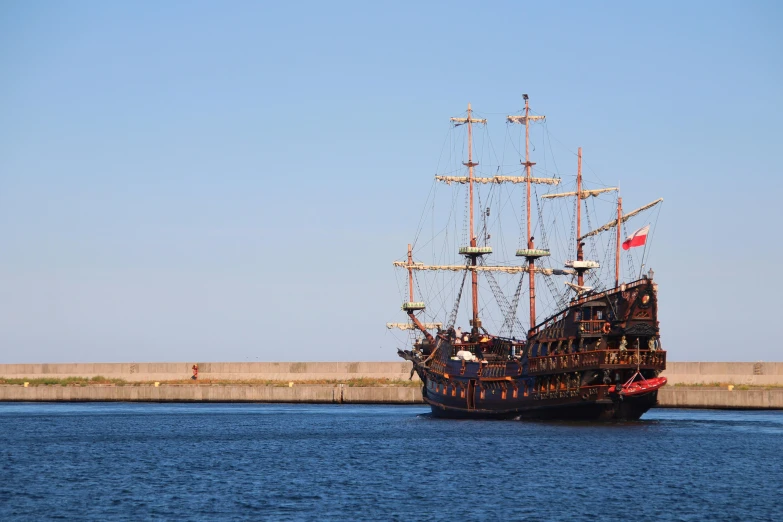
639, 387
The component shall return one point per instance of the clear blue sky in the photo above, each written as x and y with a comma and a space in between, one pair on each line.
231, 180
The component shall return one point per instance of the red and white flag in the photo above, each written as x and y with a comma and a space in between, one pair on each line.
638, 238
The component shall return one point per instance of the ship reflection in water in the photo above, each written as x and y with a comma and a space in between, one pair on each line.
328, 462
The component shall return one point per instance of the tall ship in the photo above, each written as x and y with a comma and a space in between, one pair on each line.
596, 352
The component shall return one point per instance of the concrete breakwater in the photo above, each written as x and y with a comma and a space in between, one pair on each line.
737, 373
669, 396
219, 371
318, 394
720, 398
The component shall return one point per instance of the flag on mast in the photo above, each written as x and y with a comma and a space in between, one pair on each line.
638, 238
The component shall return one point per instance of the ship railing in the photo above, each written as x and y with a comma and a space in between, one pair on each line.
488, 351
591, 326
493, 369
646, 359
596, 359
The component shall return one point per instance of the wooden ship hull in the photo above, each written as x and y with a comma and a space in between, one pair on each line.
575, 367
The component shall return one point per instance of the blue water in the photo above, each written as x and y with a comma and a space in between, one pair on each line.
123, 461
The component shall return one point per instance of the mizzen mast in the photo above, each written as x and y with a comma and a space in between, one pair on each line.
617, 251
580, 256
580, 265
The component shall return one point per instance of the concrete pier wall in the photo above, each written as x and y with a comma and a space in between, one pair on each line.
668, 397
748, 373
215, 393
227, 371
719, 398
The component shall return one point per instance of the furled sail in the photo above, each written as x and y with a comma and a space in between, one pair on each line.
579, 289
460, 121
625, 218
584, 194
484, 268
410, 326
498, 179
522, 118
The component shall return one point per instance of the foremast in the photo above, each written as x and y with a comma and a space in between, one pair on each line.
473, 251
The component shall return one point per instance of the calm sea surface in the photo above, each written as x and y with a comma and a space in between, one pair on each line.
303, 462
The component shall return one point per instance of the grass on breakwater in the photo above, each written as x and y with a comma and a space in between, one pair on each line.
66, 381
726, 385
104, 381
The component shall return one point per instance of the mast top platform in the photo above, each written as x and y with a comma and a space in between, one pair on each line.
475, 250
533, 253
582, 264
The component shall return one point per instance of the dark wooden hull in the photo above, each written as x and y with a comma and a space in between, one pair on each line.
630, 408
569, 367
541, 388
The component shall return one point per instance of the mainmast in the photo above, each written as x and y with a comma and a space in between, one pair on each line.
474, 274
473, 251
530, 253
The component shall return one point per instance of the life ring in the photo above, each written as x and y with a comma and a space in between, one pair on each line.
606, 328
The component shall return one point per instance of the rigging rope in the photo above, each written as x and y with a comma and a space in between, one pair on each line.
453, 315
514, 305
593, 250
631, 266
646, 250
560, 299
505, 307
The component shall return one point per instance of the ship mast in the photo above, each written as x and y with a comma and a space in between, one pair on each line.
580, 266
579, 254
616, 223
617, 251
410, 274
531, 261
530, 253
411, 306
473, 251
473, 275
